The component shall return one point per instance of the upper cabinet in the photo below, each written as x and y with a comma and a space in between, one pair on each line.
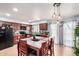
29, 27
43, 26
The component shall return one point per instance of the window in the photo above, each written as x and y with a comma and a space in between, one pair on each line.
35, 28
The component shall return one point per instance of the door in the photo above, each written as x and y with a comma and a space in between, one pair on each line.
68, 33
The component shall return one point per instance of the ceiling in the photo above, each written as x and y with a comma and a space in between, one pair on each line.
37, 11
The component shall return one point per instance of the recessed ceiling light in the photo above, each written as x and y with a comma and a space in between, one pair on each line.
7, 14
15, 9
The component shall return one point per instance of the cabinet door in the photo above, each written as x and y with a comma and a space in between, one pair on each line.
40, 26
43, 26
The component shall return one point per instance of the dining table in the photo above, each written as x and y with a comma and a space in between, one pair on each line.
36, 45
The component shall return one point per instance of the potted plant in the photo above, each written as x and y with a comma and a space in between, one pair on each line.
34, 38
34, 34
76, 41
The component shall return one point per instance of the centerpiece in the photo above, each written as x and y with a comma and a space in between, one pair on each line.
34, 38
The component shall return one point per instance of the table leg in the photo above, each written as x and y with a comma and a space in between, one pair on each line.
38, 52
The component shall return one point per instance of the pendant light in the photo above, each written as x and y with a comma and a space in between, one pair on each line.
56, 14
59, 16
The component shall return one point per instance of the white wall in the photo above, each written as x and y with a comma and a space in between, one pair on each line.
53, 32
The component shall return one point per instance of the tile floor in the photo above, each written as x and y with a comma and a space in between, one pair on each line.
59, 51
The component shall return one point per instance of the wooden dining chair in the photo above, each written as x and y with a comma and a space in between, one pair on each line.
51, 46
16, 39
23, 36
22, 48
32, 52
44, 49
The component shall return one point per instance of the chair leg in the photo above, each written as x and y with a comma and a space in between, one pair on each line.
18, 53
51, 52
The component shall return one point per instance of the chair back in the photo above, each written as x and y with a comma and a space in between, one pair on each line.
51, 43
22, 48
51, 46
44, 49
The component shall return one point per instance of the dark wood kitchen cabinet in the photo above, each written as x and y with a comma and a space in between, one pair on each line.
43, 26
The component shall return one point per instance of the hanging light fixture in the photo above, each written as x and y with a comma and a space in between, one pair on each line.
56, 14
59, 16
